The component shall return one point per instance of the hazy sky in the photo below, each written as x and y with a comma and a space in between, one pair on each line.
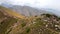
53, 4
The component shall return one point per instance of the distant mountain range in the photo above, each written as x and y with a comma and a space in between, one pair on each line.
5, 4
56, 12
29, 11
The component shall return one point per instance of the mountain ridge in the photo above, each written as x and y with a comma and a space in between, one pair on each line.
29, 11
11, 12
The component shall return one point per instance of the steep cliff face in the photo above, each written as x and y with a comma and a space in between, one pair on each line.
10, 23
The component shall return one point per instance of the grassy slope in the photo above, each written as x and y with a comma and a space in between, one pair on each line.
12, 13
5, 24
39, 27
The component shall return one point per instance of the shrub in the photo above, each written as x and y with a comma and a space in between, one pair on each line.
23, 24
27, 30
48, 15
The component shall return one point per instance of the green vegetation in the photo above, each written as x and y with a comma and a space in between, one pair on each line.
48, 15
8, 31
27, 30
6, 24
1, 15
40, 27
23, 24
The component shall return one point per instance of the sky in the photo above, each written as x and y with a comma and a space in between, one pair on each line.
53, 4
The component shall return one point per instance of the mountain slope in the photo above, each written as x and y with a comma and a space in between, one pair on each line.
5, 22
12, 13
8, 19
10, 23
44, 24
28, 11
